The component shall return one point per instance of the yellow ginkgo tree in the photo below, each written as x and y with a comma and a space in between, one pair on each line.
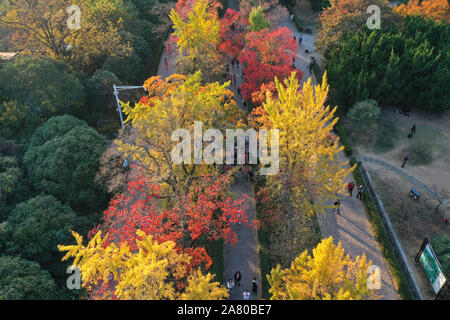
198, 39
151, 272
328, 274
172, 104
312, 170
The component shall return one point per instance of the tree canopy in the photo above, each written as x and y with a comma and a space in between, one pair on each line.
408, 68
171, 104
266, 55
18, 122
47, 86
327, 274
348, 16
437, 10
196, 29
65, 166
24, 280
148, 273
36, 227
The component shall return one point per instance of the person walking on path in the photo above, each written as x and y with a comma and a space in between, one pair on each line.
245, 171
246, 295
360, 192
310, 65
166, 63
300, 41
405, 159
350, 188
230, 285
413, 131
237, 278
337, 206
254, 286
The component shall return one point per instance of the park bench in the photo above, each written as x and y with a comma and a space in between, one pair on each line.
413, 193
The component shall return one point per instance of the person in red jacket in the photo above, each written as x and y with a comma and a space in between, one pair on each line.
350, 188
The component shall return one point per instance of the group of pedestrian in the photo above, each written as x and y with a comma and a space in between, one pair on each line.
350, 188
237, 281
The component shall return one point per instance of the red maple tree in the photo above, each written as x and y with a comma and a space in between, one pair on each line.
267, 53
205, 214
232, 28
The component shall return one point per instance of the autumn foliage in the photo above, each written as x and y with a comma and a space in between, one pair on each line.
185, 7
147, 271
348, 16
231, 34
327, 274
205, 214
267, 54
434, 9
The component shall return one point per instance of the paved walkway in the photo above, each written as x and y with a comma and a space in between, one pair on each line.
170, 55
303, 58
352, 227
244, 256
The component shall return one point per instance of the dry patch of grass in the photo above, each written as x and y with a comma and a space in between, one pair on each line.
412, 220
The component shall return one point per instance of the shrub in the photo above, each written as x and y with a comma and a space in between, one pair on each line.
386, 134
364, 112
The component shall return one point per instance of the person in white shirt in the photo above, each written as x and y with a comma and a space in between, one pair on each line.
230, 285
246, 295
